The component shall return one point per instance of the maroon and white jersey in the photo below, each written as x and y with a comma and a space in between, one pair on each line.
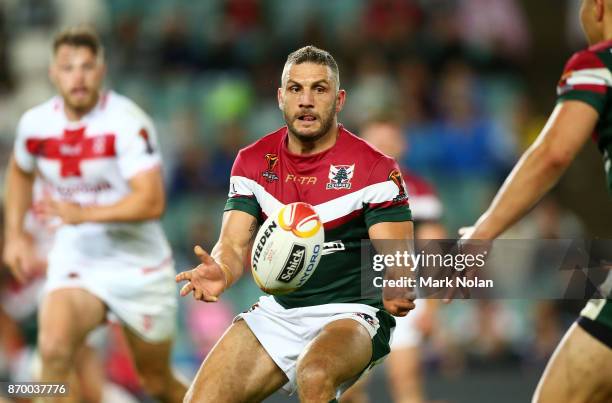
90, 162
351, 186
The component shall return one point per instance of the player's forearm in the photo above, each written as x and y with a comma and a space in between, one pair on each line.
133, 207
534, 175
232, 257
17, 200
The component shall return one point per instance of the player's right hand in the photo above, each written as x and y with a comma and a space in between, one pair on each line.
398, 306
207, 280
20, 257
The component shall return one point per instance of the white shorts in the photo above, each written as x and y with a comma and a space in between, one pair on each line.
406, 333
285, 333
144, 299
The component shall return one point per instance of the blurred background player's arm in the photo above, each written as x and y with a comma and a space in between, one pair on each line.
146, 201
17, 200
225, 264
538, 170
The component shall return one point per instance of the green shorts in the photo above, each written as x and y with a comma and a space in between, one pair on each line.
596, 319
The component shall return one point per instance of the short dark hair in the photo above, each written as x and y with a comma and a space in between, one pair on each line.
79, 36
312, 54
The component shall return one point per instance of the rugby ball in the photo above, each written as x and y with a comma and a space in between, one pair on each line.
287, 248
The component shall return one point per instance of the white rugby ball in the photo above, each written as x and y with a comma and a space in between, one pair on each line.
287, 248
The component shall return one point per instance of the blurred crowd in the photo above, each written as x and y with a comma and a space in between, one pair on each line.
456, 74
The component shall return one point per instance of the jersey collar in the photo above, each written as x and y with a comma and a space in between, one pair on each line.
313, 157
601, 45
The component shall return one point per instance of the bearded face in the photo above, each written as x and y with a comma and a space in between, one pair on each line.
308, 100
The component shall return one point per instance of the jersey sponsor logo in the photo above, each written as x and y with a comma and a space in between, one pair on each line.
262, 243
294, 263
302, 180
340, 176
269, 174
396, 177
332, 247
67, 192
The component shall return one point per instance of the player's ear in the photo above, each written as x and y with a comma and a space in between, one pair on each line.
340, 100
279, 97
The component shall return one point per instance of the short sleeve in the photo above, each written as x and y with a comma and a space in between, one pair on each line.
24, 157
585, 78
137, 149
241, 195
386, 197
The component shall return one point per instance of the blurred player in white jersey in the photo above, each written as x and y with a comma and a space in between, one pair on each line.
404, 362
20, 304
98, 152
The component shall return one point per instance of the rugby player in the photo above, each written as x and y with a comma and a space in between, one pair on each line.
319, 339
97, 150
580, 370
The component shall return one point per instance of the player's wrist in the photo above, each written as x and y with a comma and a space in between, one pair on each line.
227, 274
484, 229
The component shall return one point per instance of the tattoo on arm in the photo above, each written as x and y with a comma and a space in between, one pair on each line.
253, 230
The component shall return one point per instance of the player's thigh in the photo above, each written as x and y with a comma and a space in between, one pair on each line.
238, 369
340, 352
66, 316
579, 371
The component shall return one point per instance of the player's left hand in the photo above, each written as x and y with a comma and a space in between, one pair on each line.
70, 213
398, 301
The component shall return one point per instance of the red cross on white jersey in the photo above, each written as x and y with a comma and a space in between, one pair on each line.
72, 148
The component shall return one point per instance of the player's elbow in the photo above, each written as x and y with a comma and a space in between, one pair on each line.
559, 159
155, 207
158, 208
555, 157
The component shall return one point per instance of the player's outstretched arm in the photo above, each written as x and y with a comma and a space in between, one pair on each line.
389, 238
17, 201
146, 201
538, 170
225, 264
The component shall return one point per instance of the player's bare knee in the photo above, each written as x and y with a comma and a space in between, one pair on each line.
55, 350
314, 377
155, 384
